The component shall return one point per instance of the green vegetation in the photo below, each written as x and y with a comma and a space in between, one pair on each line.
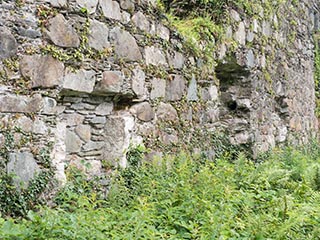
187, 197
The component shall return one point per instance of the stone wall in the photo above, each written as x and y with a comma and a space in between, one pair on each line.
84, 81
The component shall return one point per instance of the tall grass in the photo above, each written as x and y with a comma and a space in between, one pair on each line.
188, 197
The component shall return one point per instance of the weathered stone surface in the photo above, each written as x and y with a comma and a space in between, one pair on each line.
140, 21
240, 34
20, 104
266, 28
72, 119
111, 83
250, 59
176, 60
110, 9
23, 166
125, 46
82, 81
154, 56
61, 33
175, 88
39, 127
84, 132
193, 90
90, 6
138, 83
104, 109
24, 123
98, 35
117, 138
166, 112
43, 71
73, 142
92, 146
158, 88
49, 106
8, 44
127, 5
163, 32
143, 111
168, 138
213, 92
98, 120
58, 3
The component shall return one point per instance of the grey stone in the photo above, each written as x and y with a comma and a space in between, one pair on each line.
20, 104
213, 92
266, 29
163, 32
125, 17
138, 83
125, 46
82, 81
61, 33
117, 139
42, 71
242, 138
8, 44
39, 127
154, 56
240, 34
175, 88
110, 9
24, 123
84, 132
282, 134
176, 60
250, 59
29, 32
127, 5
104, 109
49, 106
98, 120
58, 3
169, 138
92, 146
140, 21
89, 5
23, 166
98, 35
193, 90
166, 112
73, 142
158, 88
235, 15
143, 111
72, 119
250, 36
111, 83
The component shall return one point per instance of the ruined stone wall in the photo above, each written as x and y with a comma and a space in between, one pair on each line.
83, 80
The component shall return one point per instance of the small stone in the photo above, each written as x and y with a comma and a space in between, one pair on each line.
61, 33
127, 5
82, 81
166, 112
84, 132
73, 142
158, 88
125, 45
42, 71
23, 166
125, 17
266, 29
110, 9
98, 35
8, 44
140, 21
72, 119
163, 32
90, 6
104, 109
24, 123
92, 146
111, 83
49, 106
235, 15
193, 90
143, 111
154, 56
58, 3
213, 92
168, 138
138, 83
39, 127
176, 60
175, 88
98, 120
240, 35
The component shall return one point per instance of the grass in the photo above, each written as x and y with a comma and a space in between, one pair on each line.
188, 197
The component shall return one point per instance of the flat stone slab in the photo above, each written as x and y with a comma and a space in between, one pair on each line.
111, 83
98, 35
175, 88
8, 44
110, 9
42, 71
82, 81
61, 33
20, 104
